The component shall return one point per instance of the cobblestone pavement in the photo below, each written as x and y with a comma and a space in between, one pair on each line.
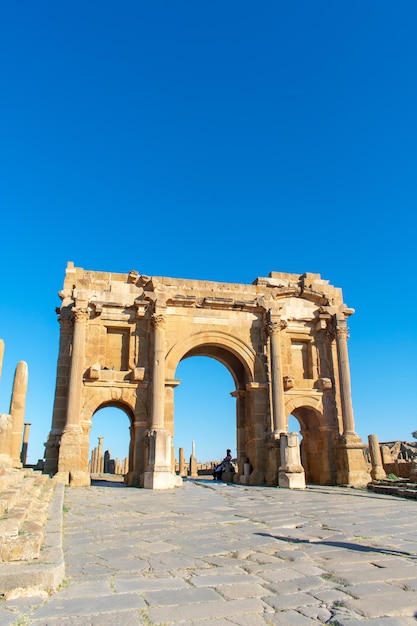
214, 554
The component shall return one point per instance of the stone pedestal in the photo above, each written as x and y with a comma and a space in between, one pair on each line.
351, 463
70, 470
244, 478
291, 473
159, 474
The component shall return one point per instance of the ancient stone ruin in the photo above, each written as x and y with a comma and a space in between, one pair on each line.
283, 338
24, 494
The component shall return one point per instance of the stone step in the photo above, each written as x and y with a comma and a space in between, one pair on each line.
22, 525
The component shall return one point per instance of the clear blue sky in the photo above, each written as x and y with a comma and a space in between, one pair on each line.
212, 140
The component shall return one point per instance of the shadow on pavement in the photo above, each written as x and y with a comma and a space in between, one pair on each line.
341, 544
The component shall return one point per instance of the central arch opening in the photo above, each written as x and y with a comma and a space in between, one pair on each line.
110, 424
205, 412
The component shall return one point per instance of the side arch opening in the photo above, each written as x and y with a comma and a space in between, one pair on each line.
316, 445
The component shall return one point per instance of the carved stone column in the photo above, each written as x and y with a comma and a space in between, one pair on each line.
17, 411
342, 334
181, 463
377, 471
159, 474
275, 327
350, 461
158, 377
70, 464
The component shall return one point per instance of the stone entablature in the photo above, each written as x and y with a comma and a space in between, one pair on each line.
283, 339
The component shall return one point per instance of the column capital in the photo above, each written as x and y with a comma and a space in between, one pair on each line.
276, 326
341, 328
81, 314
158, 320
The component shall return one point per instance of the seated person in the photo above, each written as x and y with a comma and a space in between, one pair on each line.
219, 469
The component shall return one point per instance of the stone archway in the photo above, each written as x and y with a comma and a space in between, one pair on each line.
240, 360
204, 411
111, 429
283, 338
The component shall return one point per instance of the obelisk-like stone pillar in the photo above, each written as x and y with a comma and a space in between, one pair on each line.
275, 327
70, 464
193, 462
25, 443
17, 411
342, 334
377, 471
159, 474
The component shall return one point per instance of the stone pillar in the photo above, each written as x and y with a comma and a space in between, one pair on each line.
61, 392
100, 468
159, 474
17, 411
193, 462
5, 441
244, 478
240, 396
351, 464
132, 476
107, 458
94, 461
377, 471
70, 467
25, 443
291, 472
182, 471
275, 326
158, 371
342, 334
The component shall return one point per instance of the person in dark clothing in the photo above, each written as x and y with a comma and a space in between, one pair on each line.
219, 469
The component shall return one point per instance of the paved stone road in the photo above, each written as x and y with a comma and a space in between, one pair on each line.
213, 554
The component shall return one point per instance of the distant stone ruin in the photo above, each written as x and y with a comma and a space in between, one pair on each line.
13, 431
102, 463
283, 338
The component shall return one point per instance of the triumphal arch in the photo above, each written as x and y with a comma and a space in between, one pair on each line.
283, 338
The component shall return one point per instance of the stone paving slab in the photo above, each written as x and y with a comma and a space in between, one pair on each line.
212, 554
